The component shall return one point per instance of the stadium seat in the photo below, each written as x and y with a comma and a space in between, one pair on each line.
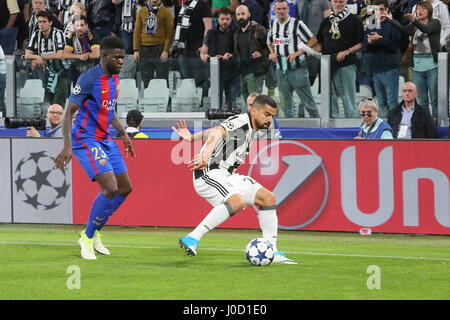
187, 97
156, 96
31, 98
128, 96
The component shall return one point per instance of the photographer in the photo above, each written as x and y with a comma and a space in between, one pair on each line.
54, 116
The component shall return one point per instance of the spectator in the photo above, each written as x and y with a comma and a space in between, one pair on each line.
219, 43
66, 8
134, 122
256, 12
382, 59
9, 11
193, 22
311, 13
82, 47
102, 16
340, 35
440, 12
356, 7
372, 127
54, 116
216, 5
425, 34
77, 9
45, 48
153, 36
2, 83
37, 7
251, 50
286, 42
293, 12
126, 21
410, 120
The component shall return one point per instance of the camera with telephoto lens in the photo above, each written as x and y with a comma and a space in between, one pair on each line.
214, 114
13, 123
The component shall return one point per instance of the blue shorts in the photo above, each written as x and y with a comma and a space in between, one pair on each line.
97, 157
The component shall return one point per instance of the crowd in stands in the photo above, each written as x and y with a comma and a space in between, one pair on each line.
259, 42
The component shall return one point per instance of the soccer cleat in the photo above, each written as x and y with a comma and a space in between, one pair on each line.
189, 244
98, 245
281, 258
87, 247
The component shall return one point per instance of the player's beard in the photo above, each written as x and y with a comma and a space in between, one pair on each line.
264, 125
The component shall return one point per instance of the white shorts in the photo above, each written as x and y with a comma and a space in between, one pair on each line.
218, 185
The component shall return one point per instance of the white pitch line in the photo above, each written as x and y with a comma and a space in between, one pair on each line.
217, 249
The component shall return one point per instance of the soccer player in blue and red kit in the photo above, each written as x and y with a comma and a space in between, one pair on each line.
95, 97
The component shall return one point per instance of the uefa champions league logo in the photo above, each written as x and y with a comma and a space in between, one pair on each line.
38, 184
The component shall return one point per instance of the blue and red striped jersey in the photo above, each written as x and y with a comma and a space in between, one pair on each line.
96, 96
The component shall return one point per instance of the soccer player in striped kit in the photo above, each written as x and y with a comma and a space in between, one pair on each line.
95, 98
226, 147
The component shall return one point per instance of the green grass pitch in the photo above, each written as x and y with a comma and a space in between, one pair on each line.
38, 262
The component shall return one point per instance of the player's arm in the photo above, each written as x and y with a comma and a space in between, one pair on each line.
183, 132
215, 135
129, 149
65, 155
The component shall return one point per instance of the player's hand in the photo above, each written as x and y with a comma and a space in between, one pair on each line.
182, 131
197, 163
63, 158
129, 149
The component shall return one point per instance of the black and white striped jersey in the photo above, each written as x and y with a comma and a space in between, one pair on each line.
231, 151
287, 37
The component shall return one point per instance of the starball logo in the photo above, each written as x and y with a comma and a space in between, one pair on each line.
297, 176
38, 184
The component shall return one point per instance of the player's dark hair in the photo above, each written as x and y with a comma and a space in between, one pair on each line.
262, 100
45, 14
111, 43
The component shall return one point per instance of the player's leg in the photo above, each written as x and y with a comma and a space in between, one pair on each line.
218, 215
94, 160
123, 189
222, 195
268, 221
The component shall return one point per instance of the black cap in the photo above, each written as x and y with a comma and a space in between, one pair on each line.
134, 116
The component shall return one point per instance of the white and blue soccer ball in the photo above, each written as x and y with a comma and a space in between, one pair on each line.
259, 252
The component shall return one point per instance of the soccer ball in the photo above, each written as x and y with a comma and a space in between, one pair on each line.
259, 252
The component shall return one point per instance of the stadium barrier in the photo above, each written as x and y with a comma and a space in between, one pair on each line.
328, 185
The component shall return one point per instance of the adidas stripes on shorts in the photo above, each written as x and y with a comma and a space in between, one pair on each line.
217, 185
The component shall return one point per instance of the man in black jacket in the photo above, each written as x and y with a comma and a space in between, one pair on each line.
251, 50
219, 43
409, 120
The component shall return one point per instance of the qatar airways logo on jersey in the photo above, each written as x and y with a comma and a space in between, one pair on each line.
109, 104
